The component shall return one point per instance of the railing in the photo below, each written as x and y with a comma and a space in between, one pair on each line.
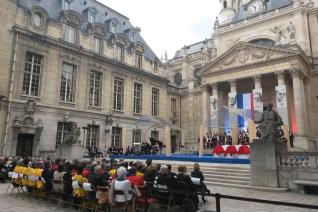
298, 160
218, 198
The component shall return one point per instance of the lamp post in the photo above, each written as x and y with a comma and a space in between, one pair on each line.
84, 139
108, 124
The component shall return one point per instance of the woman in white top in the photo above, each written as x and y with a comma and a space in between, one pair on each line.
58, 178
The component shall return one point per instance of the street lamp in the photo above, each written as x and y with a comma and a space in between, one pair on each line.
84, 140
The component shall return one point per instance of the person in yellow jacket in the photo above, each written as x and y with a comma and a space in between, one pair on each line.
79, 192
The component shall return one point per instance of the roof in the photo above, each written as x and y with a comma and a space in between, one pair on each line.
270, 5
191, 49
53, 8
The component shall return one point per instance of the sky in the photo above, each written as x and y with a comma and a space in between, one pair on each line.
168, 25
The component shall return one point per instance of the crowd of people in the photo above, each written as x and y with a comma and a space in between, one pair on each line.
130, 177
213, 139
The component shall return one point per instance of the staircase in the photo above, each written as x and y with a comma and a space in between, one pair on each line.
227, 175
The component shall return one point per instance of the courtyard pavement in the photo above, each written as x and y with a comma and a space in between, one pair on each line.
21, 203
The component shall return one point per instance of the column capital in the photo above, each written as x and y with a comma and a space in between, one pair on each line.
256, 77
279, 74
214, 86
296, 73
204, 87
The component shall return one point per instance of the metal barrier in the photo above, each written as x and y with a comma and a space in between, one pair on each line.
218, 198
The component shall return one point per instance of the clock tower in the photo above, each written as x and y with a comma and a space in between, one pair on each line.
228, 10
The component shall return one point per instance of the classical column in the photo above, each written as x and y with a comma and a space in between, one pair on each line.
258, 94
213, 104
281, 97
298, 102
205, 109
168, 140
124, 139
232, 96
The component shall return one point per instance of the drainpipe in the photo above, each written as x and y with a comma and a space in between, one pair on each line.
10, 94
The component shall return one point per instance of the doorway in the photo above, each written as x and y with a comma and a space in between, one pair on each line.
24, 145
174, 144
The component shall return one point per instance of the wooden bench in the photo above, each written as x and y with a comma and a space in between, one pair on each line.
309, 186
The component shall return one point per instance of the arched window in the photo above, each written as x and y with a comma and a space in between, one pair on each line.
263, 42
225, 4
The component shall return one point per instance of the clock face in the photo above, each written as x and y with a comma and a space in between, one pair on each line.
255, 7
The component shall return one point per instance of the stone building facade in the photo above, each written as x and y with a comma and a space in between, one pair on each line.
263, 48
66, 65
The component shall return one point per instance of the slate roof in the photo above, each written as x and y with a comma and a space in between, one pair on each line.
270, 5
191, 49
53, 8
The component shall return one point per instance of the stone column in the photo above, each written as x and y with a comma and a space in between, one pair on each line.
205, 109
300, 140
213, 105
168, 140
258, 105
123, 139
281, 97
232, 104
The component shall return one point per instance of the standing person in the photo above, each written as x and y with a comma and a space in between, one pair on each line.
47, 175
291, 139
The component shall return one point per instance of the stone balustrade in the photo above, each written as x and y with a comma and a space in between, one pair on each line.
306, 160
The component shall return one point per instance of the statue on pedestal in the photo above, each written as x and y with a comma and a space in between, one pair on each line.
269, 123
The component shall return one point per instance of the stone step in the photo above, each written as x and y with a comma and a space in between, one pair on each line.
211, 177
211, 167
233, 174
220, 171
230, 181
244, 186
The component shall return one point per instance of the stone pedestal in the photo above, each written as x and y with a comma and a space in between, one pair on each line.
70, 151
264, 160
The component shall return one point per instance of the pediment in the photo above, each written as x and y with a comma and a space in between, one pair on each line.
245, 54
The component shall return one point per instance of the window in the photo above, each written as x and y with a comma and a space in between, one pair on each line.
136, 137
155, 135
67, 83
224, 4
155, 102
113, 28
116, 137
138, 60
155, 66
95, 88
70, 34
66, 5
120, 53
92, 135
97, 45
62, 129
173, 105
137, 98
37, 19
131, 37
91, 17
32, 74
118, 94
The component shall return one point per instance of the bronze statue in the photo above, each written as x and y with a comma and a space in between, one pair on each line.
269, 122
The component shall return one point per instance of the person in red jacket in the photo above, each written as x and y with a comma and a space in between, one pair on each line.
135, 180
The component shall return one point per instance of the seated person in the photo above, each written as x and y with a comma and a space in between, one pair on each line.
96, 179
182, 176
133, 179
58, 178
196, 173
121, 191
166, 181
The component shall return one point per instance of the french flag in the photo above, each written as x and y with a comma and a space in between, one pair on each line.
244, 101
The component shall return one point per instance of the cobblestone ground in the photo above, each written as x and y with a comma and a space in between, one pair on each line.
22, 203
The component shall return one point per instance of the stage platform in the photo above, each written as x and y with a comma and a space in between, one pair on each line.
188, 158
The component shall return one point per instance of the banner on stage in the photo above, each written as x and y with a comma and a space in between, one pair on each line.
281, 97
213, 104
258, 99
232, 100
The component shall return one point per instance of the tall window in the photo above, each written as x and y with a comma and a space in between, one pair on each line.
118, 94
91, 17
137, 98
155, 134
62, 129
97, 45
70, 35
155, 102
32, 74
113, 28
67, 83
95, 88
155, 66
66, 5
136, 137
173, 105
138, 60
92, 135
120, 52
116, 137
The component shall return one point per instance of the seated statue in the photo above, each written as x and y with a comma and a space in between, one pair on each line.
269, 123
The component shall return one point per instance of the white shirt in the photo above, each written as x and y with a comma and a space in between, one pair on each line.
123, 186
